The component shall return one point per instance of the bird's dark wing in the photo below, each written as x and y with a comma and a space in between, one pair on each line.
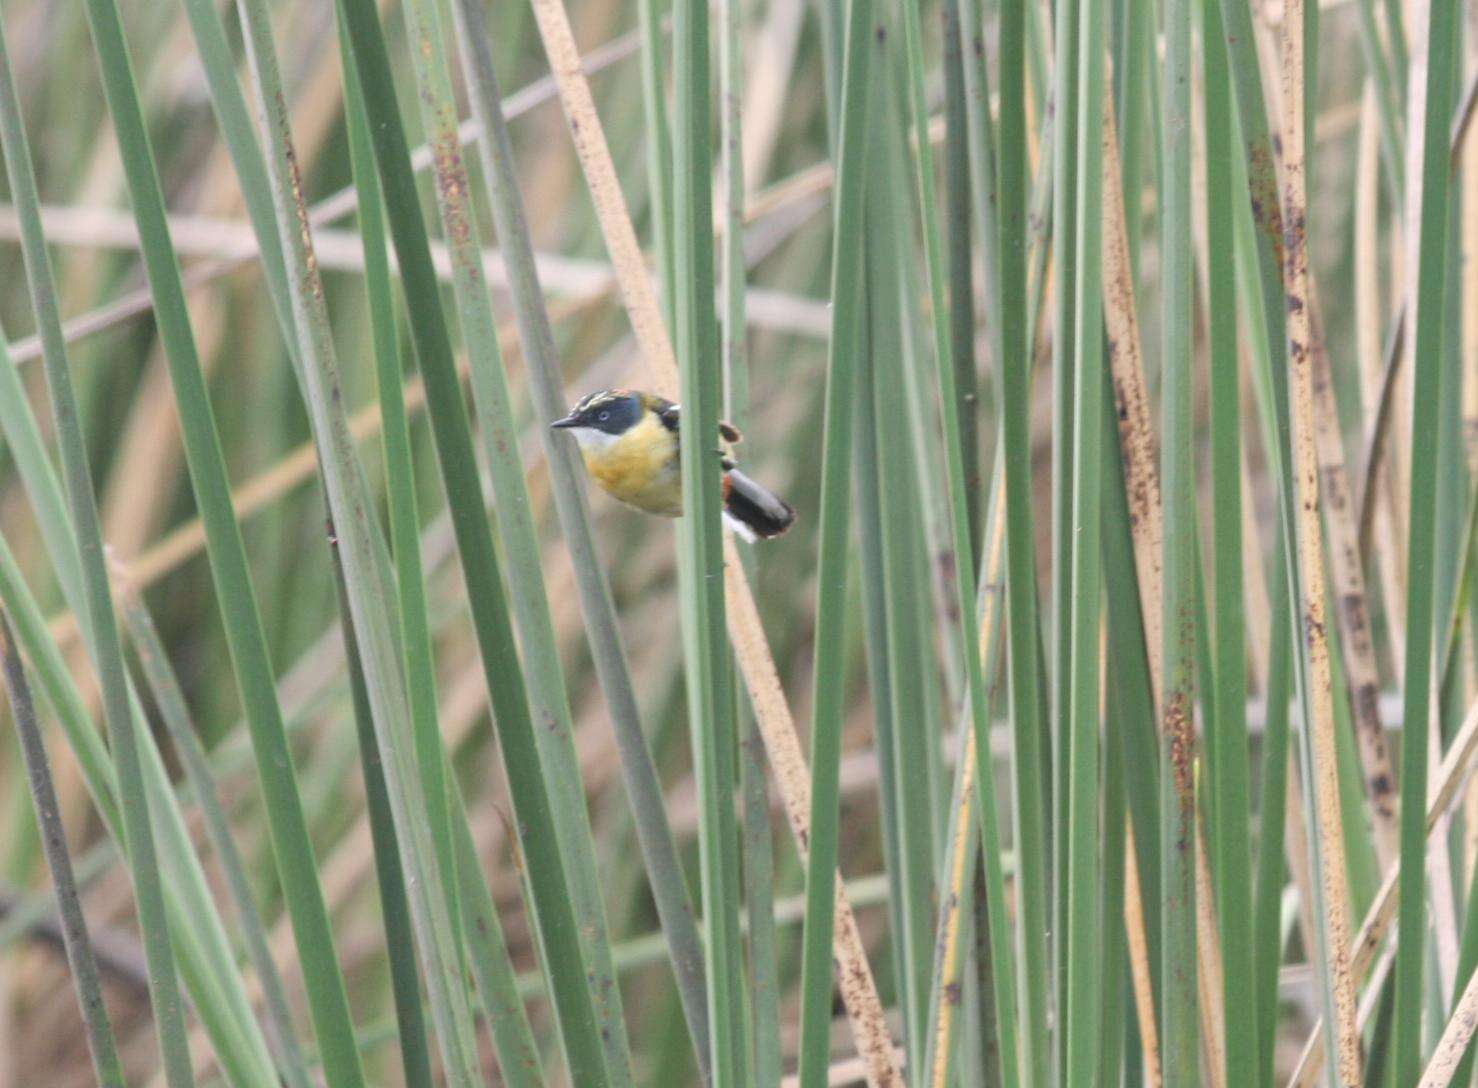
669, 417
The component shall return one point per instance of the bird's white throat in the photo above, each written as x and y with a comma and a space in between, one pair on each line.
591, 438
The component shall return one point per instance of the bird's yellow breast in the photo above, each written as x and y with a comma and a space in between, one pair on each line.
640, 467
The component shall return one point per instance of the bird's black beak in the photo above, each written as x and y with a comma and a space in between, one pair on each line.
567, 422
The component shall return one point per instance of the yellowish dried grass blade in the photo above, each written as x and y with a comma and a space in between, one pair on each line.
859, 991
1141, 482
1455, 1039
1455, 768
1339, 982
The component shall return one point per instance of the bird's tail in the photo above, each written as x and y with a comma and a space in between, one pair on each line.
752, 510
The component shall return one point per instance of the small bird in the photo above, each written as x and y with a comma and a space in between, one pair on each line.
629, 441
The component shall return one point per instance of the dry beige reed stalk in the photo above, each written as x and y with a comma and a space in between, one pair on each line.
1455, 1039
772, 712
1347, 579
1451, 775
1142, 492
1305, 470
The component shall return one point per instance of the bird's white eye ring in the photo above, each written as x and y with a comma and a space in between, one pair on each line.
604, 416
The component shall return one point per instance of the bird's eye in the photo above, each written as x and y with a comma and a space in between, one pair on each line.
604, 416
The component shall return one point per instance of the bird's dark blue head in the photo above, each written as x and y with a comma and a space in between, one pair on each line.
612, 411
